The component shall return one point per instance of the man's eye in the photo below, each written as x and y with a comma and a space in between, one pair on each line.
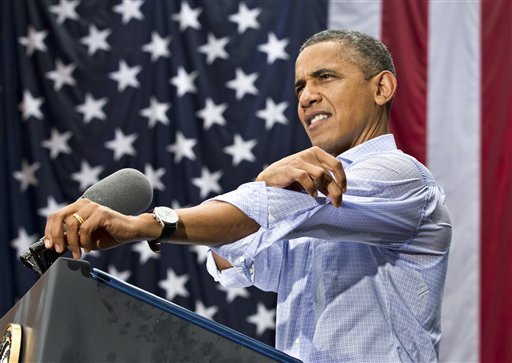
325, 76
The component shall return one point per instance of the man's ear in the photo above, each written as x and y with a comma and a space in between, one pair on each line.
385, 89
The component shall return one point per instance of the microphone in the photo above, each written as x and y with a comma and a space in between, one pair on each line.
127, 191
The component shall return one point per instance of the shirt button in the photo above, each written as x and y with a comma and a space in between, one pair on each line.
241, 259
297, 341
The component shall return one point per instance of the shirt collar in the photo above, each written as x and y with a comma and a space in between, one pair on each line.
378, 144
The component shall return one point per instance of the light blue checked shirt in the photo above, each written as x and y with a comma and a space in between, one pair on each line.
359, 283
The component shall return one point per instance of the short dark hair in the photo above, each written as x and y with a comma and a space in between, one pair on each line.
361, 49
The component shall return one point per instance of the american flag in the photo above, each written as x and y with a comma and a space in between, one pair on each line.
198, 95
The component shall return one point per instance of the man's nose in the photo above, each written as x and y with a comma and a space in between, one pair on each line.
309, 96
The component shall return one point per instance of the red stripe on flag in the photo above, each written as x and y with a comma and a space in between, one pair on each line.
496, 168
405, 32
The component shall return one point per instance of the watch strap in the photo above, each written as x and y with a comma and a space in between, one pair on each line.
167, 232
155, 246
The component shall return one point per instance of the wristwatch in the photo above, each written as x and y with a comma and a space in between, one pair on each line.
168, 219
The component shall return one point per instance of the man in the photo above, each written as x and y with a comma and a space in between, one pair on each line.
357, 280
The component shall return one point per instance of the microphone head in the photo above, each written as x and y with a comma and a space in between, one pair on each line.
127, 191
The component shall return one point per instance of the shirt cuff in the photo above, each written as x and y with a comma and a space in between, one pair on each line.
236, 276
251, 199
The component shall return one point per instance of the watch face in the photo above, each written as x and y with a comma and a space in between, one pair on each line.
166, 215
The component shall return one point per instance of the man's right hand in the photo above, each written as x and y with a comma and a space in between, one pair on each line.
312, 170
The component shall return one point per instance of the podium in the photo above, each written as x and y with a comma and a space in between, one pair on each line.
77, 314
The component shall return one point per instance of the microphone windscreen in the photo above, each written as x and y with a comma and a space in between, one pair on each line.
127, 191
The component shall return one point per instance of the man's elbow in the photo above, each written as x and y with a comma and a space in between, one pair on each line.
222, 264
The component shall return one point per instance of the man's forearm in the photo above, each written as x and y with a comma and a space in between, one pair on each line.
213, 223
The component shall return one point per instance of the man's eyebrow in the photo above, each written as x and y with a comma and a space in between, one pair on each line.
314, 74
321, 71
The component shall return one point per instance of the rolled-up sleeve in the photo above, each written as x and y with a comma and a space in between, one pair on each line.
384, 205
271, 209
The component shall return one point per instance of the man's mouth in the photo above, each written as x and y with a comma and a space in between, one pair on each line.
313, 119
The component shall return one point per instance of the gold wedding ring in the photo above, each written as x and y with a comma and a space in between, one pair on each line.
78, 218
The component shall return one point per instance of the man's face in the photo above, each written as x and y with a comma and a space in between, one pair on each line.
336, 104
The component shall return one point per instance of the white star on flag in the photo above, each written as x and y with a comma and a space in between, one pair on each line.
66, 9
62, 75
184, 81
122, 144
233, 292
154, 176
130, 9
175, 204
263, 319
214, 48
273, 113
144, 252
121, 275
87, 175
243, 83
51, 207
274, 48
31, 106
126, 76
174, 285
208, 182
92, 108
182, 148
212, 114
188, 17
96, 40
241, 150
202, 310
34, 40
245, 18
156, 112
23, 241
93, 253
158, 47
26, 176
201, 252
57, 143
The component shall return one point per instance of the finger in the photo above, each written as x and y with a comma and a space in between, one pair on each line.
313, 169
54, 229
330, 178
91, 215
335, 193
326, 184
314, 166
288, 173
318, 175
73, 224
304, 179
333, 165
335, 180
338, 173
